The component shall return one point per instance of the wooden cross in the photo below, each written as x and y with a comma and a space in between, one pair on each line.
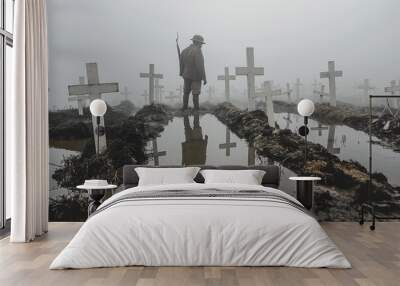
145, 94
94, 89
250, 71
180, 91
316, 85
228, 144
288, 92
172, 97
151, 76
331, 141
210, 92
321, 93
297, 89
397, 88
366, 87
288, 120
226, 77
320, 128
397, 100
392, 89
268, 93
331, 75
80, 99
155, 154
126, 93
158, 91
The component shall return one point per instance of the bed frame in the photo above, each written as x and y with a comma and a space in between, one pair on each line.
270, 179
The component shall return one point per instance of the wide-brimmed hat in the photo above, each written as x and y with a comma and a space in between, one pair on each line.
198, 38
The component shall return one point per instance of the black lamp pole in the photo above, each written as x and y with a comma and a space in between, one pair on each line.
305, 139
98, 108
305, 108
303, 131
98, 136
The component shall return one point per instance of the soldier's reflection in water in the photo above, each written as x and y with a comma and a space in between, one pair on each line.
194, 149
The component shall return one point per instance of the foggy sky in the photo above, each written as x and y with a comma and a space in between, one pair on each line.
292, 38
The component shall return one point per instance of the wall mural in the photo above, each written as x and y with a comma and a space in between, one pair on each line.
242, 105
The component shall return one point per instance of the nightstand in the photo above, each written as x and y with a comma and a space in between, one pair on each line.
304, 190
96, 194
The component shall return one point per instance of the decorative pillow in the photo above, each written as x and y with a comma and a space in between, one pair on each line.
164, 176
248, 177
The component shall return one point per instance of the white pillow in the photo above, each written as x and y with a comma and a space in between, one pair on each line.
164, 176
248, 177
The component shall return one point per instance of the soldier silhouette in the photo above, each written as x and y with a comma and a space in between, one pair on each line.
191, 66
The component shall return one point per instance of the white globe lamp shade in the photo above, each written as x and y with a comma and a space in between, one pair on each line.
305, 107
98, 107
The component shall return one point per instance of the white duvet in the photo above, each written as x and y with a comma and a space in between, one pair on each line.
211, 231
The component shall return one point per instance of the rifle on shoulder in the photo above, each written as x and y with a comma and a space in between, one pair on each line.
179, 53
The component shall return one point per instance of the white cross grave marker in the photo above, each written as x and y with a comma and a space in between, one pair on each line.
228, 144
321, 93
366, 87
331, 140
392, 89
172, 97
155, 154
180, 91
331, 75
250, 71
145, 94
288, 92
316, 85
297, 86
126, 93
268, 93
80, 99
210, 92
151, 76
398, 89
320, 128
288, 120
158, 91
94, 89
226, 77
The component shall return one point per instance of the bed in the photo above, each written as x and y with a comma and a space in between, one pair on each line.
198, 224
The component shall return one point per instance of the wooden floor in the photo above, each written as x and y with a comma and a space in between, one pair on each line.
375, 257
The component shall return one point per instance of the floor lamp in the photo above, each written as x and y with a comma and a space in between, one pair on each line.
98, 108
305, 109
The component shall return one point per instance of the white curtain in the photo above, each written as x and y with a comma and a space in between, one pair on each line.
27, 122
